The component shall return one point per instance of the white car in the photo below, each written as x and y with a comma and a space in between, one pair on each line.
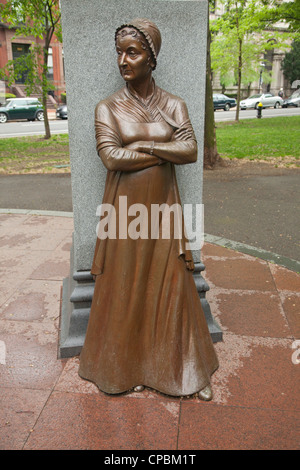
267, 99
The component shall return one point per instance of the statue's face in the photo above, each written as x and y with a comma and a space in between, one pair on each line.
134, 60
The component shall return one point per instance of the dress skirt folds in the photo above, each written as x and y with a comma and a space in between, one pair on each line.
146, 324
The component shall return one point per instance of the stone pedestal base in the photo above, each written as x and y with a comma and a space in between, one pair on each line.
202, 287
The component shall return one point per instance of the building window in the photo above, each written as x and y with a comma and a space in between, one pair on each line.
19, 51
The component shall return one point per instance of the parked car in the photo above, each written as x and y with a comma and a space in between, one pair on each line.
266, 99
293, 100
223, 102
21, 108
62, 112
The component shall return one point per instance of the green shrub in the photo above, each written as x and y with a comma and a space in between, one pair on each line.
63, 97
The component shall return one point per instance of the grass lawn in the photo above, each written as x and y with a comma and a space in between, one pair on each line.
261, 139
35, 154
274, 139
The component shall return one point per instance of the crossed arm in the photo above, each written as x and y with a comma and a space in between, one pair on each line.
143, 154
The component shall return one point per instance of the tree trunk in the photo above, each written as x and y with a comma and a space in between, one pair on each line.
211, 156
45, 93
47, 39
237, 113
46, 120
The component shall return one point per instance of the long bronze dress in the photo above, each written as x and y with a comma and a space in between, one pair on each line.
146, 325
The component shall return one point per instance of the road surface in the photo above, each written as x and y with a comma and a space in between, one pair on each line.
25, 128
58, 126
255, 207
221, 115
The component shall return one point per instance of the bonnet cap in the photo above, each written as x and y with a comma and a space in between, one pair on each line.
149, 30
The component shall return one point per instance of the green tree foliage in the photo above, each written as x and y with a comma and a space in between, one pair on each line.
286, 12
211, 156
240, 41
40, 19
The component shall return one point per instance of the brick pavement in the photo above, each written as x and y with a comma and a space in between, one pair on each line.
45, 405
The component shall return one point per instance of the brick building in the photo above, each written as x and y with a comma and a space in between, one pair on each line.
12, 47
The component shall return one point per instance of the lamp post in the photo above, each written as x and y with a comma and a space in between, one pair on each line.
262, 65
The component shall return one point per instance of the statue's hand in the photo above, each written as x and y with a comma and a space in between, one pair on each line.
144, 146
139, 146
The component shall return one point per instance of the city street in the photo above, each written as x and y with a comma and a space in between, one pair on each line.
221, 115
24, 128
58, 126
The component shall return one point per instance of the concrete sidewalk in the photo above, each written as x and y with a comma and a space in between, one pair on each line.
250, 203
45, 405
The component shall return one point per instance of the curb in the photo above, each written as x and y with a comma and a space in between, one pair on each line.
36, 212
274, 258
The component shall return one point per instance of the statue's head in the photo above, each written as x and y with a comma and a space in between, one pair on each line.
146, 33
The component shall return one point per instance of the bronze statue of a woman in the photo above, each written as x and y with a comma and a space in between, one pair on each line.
146, 325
